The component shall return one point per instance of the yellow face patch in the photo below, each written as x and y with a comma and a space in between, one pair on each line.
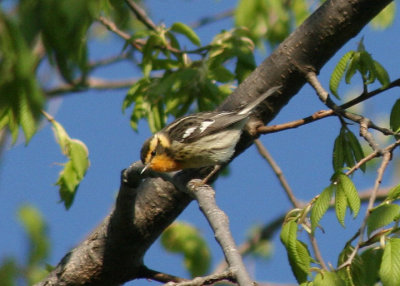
156, 158
164, 163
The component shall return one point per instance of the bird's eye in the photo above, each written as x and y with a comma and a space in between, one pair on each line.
153, 153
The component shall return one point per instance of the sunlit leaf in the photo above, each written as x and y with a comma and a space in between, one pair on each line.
298, 254
326, 278
186, 31
389, 271
394, 193
340, 204
382, 216
320, 206
350, 191
338, 73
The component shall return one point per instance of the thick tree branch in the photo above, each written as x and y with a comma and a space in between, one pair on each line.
113, 253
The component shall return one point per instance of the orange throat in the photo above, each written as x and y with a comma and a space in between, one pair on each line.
164, 163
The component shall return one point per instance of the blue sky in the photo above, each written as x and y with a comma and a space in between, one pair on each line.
250, 195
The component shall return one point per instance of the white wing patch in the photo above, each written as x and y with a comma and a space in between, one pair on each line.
204, 125
188, 132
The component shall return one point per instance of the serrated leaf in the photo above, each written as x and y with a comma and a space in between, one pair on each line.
340, 204
394, 193
185, 239
338, 73
348, 152
389, 271
352, 67
298, 254
356, 148
381, 216
186, 31
395, 117
338, 157
381, 74
320, 206
326, 278
350, 192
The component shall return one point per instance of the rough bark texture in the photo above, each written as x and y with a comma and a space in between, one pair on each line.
113, 253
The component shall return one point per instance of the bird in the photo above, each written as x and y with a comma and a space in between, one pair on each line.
202, 139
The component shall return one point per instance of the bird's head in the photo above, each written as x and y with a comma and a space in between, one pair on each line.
156, 155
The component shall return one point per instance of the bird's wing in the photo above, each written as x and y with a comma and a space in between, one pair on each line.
191, 128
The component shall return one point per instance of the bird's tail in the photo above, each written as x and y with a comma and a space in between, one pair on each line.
259, 99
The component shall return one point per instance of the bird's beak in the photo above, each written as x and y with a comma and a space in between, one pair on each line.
145, 168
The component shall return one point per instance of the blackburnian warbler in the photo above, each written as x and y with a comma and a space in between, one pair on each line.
198, 140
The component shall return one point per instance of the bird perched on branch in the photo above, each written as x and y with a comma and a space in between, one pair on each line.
199, 140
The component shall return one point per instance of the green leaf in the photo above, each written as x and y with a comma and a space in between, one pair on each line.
350, 192
27, 119
185, 239
35, 228
320, 206
385, 18
338, 73
365, 269
395, 117
381, 216
186, 31
356, 148
8, 271
352, 67
75, 168
390, 266
382, 74
79, 157
298, 254
325, 278
394, 193
338, 157
340, 204
61, 137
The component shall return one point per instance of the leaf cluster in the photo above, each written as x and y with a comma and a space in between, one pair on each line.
361, 62
173, 82
183, 238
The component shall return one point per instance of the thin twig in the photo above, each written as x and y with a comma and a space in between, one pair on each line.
365, 96
160, 276
206, 280
137, 44
219, 222
296, 123
325, 113
278, 172
289, 193
212, 19
385, 161
90, 83
141, 15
